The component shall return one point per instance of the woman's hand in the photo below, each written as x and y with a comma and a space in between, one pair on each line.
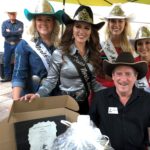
29, 97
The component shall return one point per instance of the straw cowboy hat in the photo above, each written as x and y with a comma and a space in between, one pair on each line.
83, 14
11, 9
126, 59
142, 33
117, 13
43, 8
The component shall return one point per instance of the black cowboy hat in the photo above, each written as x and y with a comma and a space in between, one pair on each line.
126, 59
83, 14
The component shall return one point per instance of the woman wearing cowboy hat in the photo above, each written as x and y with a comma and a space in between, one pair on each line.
116, 39
122, 112
77, 60
33, 55
142, 46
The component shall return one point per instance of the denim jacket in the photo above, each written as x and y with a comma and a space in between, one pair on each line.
27, 65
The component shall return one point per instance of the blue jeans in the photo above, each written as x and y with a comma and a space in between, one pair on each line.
9, 50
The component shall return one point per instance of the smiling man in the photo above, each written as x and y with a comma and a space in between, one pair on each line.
122, 112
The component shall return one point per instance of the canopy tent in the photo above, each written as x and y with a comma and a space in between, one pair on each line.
100, 2
92, 2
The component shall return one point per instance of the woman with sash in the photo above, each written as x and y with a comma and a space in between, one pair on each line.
33, 55
116, 40
142, 46
77, 60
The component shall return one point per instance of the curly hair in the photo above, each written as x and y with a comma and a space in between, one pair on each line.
93, 45
54, 36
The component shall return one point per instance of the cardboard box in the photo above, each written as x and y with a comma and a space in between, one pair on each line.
39, 108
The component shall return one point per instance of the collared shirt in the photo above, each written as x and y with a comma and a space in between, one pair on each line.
64, 70
27, 64
16, 30
126, 126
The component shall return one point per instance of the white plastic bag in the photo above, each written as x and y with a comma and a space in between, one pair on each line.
81, 135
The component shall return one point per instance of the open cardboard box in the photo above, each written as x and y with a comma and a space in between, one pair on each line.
39, 108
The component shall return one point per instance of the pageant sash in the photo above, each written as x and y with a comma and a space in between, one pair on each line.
42, 52
142, 83
109, 50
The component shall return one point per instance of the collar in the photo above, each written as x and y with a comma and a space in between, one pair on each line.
11, 22
135, 93
73, 49
38, 41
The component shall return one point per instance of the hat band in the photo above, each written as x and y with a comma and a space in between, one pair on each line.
84, 16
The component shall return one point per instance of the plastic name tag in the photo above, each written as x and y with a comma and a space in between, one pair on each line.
112, 110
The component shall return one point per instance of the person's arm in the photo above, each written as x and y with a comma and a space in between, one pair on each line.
50, 82
19, 29
4, 29
21, 69
16, 92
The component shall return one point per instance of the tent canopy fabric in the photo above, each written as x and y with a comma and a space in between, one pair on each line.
101, 2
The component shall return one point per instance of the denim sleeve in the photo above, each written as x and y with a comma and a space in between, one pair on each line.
4, 27
21, 68
50, 82
14, 31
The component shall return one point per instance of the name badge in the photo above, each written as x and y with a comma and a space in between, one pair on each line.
112, 110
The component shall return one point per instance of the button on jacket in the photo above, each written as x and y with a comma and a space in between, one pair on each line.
126, 126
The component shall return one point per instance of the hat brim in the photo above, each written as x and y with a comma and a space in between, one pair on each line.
133, 41
129, 17
57, 15
115, 17
67, 20
141, 67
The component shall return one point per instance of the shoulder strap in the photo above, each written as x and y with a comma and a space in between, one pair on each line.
83, 70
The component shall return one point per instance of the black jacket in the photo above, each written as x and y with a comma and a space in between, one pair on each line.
126, 126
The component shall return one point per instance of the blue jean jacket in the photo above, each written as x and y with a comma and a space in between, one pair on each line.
27, 64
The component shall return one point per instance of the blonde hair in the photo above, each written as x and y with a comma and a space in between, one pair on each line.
54, 36
124, 41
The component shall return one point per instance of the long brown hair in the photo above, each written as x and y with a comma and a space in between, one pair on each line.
93, 45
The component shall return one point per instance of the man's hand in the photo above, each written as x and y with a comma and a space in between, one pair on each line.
7, 30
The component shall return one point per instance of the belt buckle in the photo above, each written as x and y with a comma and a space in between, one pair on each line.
12, 43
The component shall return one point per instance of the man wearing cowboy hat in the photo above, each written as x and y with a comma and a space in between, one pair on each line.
12, 30
122, 112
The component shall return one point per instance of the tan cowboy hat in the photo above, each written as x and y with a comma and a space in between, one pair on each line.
83, 14
117, 13
126, 59
43, 8
142, 33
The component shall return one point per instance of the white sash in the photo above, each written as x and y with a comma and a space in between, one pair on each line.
142, 83
43, 53
109, 50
